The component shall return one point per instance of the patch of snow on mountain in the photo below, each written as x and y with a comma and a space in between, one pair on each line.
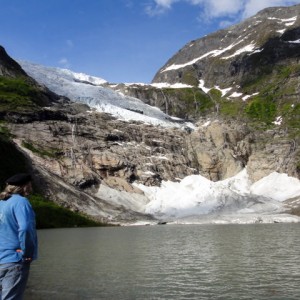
206, 90
248, 48
223, 91
287, 22
86, 89
213, 53
278, 121
202, 87
294, 42
277, 186
249, 96
196, 195
168, 85
281, 31
235, 95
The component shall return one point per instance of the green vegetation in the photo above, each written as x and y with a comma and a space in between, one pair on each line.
190, 102
275, 97
4, 131
228, 108
50, 215
262, 109
16, 94
231, 108
277, 87
52, 153
190, 78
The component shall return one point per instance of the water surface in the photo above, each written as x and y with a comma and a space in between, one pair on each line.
259, 261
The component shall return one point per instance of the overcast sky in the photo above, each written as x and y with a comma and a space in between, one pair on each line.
117, 40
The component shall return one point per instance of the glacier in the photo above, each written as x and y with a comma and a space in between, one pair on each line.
94, 92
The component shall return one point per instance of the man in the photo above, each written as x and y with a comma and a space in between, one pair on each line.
18, 238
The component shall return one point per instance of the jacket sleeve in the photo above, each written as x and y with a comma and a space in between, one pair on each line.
26, 229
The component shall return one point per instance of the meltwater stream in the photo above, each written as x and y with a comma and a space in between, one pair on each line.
258, 261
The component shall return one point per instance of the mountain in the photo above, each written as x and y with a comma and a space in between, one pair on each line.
251, 68
214, 138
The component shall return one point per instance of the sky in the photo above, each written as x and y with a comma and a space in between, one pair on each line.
117, 40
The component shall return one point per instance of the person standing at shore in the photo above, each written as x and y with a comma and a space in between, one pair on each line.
18, 238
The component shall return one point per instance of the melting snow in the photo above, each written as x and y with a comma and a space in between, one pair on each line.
235, 95
278, 121
206, 90
249, 96
287, 22
277, 186
295, 42
202, 87
213, 53
248, 48
281, 31
195, 195
168, 85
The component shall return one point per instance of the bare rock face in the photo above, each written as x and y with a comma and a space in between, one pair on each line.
274, 151
221, 150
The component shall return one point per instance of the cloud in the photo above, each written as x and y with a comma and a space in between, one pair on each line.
69, 43
159, 7
64, 62
211, 9
253, 6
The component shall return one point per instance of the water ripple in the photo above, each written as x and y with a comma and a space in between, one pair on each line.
169, 262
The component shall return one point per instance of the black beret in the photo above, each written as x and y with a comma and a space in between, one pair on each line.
19, 179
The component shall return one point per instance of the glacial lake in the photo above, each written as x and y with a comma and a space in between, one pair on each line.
259, 261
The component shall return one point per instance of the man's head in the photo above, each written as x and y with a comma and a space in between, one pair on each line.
19, 184
19, 179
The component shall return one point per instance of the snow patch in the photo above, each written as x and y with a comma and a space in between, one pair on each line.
206, 90
277, 186
202, 87
168, 85
278, 121
235, 95
294, 42
213, 53
248, 48
195, 195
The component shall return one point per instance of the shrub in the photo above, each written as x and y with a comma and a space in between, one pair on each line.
50, 215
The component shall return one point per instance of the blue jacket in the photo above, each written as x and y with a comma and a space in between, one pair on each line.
17, 230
